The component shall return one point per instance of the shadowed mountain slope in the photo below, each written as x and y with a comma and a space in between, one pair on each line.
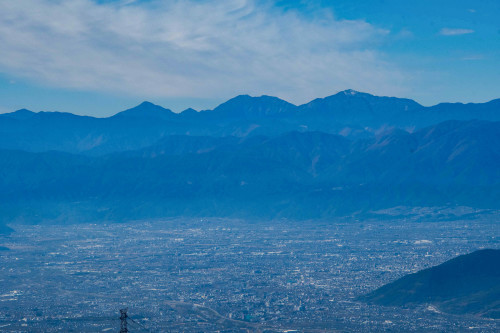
295, 175
467, 284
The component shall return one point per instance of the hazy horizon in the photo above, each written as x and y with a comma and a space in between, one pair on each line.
139, 102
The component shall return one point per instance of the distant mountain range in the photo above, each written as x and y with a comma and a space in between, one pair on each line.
468, 284
259, 157
349, 113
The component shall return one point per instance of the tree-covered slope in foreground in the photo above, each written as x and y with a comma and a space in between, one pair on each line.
468, 284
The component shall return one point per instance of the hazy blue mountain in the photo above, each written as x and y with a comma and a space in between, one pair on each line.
352, 114
22, 114
45, 131
293, 175
350, 107
452, 152
184, 144
147, 110
189, 112
250, 156
459, 111
247, 107
466, 284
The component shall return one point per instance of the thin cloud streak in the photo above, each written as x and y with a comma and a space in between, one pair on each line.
191, 49
455, 32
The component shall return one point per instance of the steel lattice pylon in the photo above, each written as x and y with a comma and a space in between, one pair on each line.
123, 318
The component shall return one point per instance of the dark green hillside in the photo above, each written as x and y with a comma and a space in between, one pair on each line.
468, 284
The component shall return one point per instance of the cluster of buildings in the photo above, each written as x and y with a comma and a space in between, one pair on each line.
223, 275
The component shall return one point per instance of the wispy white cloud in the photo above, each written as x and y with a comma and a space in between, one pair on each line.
455, 32
405, 34
212, 48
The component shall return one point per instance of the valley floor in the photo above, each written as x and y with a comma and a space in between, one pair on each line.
227, 275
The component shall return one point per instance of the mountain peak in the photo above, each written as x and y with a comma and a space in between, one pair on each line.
146, 110
146, 104
21, 114
189, 112
249, 106
350, 92
23, 111
242, 97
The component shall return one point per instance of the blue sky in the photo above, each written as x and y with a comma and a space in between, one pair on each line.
100, 57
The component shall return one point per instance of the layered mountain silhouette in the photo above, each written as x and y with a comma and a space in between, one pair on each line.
349, 113
468, 284
260, 157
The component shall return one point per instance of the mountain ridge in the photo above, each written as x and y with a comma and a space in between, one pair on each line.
349, 113
347, 92
257, 157
296, 175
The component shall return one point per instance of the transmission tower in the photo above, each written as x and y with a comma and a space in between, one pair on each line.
123, 318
